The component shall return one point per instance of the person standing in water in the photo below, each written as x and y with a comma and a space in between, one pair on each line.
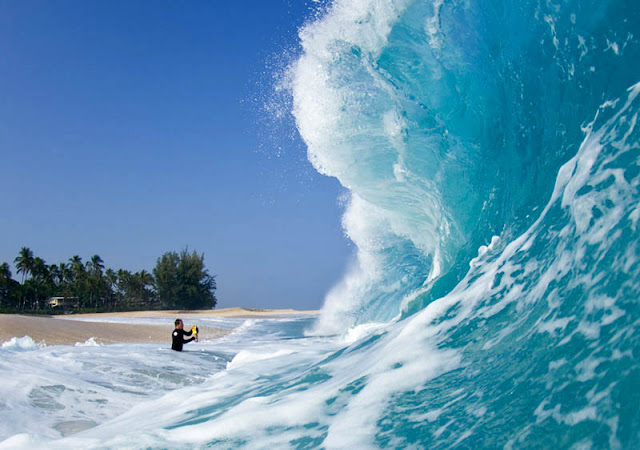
179, 334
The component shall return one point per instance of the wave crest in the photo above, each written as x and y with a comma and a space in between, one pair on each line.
444, 131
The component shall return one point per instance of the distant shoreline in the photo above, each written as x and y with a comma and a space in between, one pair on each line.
223, 312
63, 330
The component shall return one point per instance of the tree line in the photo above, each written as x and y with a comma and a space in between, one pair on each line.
178, 281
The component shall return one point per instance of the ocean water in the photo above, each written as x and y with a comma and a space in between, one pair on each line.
491, 155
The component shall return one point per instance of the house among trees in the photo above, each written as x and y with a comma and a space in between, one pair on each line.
63, 302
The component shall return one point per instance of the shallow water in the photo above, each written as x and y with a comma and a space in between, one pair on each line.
59, 391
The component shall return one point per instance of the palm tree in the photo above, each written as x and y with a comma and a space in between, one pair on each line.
5, 272
7, 284
112, 281
79, 282
147, 281
140, 281
40, 270
97, 264
66, 272
42, 283
24, 262
145, 277
56, 276
124, 285
65, 279
76, 265
95, 268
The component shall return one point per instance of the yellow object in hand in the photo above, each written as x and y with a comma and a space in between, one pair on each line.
194, 330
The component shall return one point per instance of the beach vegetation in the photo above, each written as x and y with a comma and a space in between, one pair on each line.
178, 281
183, 282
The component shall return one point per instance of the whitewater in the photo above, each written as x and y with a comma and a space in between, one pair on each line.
490, 151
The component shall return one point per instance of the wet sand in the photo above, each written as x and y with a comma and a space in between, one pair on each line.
60, 330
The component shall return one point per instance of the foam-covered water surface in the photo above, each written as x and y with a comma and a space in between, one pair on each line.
59, 390
491, 155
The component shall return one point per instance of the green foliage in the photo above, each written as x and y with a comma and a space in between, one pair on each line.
183, 282
167, 282
8, 288
179, 281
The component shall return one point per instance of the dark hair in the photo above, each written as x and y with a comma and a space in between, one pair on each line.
178, 321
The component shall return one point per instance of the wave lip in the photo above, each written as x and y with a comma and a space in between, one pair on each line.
358, 128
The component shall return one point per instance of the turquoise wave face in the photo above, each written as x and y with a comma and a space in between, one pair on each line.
448, 122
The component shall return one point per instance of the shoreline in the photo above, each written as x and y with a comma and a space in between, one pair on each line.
237, 312
64, 330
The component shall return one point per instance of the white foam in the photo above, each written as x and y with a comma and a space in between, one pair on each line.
554, 326
429, 416
91, 342
478, 411
246, 357
432, 26
17, 441
23, 343
365, 330
556, 364
588, 413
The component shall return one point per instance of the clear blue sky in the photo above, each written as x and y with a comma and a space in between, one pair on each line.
131, 128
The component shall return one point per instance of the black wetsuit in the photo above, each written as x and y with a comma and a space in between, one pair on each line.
178, 339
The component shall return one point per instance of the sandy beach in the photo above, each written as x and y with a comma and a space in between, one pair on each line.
60, 330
